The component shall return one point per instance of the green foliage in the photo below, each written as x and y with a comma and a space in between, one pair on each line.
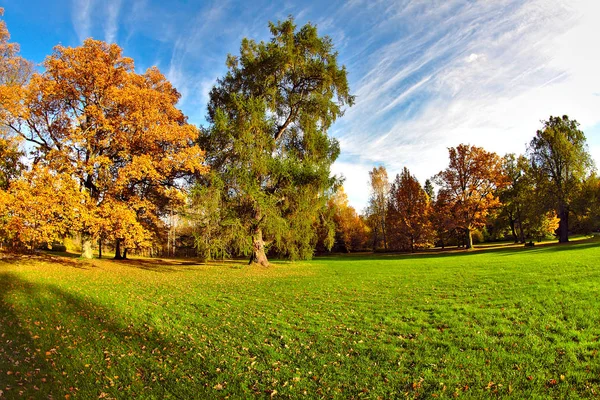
561, 162
478, 236
586, 206
268, 141
428, 187
498, 322
525, 205
217, 233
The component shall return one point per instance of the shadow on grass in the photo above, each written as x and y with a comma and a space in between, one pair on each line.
175, 265
22, 369
165, 265
570, 246
158, 265
508, 249
64, 259
54, 343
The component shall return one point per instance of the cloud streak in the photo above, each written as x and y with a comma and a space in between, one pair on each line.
427, 74
483, 73
112, 8
89, 16
81, 17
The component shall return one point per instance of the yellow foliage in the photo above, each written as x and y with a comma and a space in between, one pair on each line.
41, 207
119, 133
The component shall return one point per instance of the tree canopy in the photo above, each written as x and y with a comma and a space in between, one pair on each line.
561, 161
408, 213
469, 184
89, 115
90, 148
268, 145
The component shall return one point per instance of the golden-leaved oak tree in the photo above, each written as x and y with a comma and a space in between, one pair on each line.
469, 184
41, 206
91, 116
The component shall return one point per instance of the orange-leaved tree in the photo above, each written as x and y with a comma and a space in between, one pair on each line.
91, 116
470, 183
351, 232
14, 73
408, 214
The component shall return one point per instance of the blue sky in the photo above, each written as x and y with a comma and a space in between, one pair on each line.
427, 74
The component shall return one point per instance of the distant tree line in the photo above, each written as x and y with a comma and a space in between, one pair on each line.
550, 191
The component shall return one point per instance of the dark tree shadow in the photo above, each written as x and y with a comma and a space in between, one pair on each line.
503, 250
54, 343
175, 265
23, 371
159, 265
56, 258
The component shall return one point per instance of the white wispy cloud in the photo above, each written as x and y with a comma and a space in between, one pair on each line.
81, 18
192, 81
483, 73
89, 15
112, 22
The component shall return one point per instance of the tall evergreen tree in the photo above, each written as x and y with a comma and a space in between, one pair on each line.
267, 144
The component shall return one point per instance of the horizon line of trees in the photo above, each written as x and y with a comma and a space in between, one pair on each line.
91, 149
551, 191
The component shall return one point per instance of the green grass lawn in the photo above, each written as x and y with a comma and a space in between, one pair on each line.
486, 323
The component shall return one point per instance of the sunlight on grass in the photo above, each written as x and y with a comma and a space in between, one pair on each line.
505, 320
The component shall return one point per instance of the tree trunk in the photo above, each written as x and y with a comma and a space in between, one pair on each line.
468, 238
563, 224
521, 232
258, 255
99, 248
375, 239
118, 250
511, 221
383, 230
86, 247
125, 253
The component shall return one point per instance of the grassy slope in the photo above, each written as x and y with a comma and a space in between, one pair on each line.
520, 321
